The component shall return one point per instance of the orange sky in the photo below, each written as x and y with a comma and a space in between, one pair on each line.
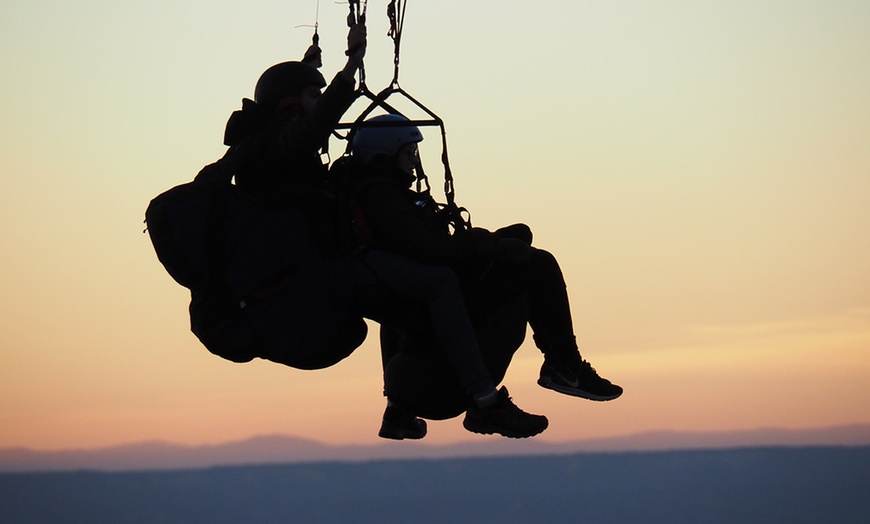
701, 172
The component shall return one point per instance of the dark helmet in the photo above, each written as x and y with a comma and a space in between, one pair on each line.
283, 80
371, 141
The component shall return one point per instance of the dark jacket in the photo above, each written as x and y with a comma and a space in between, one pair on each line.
297, 308
280, 165
404, 221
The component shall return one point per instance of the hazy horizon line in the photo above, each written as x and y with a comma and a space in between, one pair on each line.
285, 449
860, 429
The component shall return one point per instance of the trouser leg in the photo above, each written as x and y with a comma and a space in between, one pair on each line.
550, 311
437, 288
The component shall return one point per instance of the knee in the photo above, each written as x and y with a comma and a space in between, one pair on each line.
444, 277
518, 231
542, 257
436, 281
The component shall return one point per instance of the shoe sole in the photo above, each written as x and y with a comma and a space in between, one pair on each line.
486, 429
402, 434
574, 392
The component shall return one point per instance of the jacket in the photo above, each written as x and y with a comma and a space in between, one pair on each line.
280, 162
406, 222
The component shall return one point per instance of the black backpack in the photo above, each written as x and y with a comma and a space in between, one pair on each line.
259, 287
185, 224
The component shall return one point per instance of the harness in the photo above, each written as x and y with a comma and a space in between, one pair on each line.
457, 217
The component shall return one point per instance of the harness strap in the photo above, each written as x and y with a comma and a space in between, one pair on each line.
270, 289
357, 15
396, 16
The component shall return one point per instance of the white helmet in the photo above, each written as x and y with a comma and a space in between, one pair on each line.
382, 138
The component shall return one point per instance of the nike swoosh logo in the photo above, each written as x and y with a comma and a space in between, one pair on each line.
573, 383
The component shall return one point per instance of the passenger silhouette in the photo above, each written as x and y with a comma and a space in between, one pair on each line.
495, 269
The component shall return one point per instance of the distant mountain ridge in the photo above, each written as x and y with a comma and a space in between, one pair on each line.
278, 449
772, 485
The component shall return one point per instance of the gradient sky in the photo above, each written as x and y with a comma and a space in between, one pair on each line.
700, 169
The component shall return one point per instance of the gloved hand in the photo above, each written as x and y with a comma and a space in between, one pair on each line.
512, 251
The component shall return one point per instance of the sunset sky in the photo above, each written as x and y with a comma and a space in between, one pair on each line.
700, 169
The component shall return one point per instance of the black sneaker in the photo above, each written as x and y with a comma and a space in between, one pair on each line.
505, 418
584, 383
398, 424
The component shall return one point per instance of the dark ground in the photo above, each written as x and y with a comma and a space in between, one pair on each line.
766, 485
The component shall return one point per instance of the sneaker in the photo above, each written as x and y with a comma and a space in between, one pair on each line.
398, 424
585, 384
503, 417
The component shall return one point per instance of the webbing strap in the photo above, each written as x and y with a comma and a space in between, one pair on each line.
270, 289
396, 15
357, 15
